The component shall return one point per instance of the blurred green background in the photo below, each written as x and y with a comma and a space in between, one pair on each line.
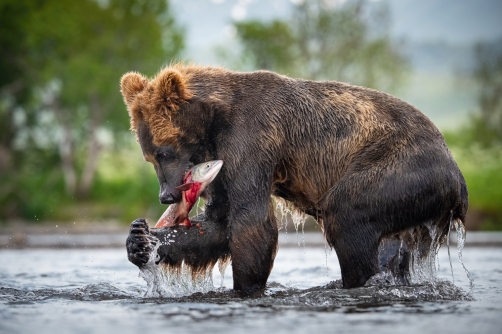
66, 153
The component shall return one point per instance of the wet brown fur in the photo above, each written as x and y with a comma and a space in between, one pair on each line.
365, 163
158, 102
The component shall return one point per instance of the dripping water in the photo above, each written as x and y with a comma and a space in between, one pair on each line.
423, 266
296, 229
298, 219
222, 267
303, 236
284, 209
449, 256
437, 258
461, 236
326, 255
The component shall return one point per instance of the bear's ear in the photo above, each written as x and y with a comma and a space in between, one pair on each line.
170, 89
131, 84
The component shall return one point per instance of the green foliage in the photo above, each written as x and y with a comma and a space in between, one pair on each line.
125, 188
131, 192
267, 45
34, 189
60, 104
487, 124
13, 15
477, 145
89, 55
325, 41
14, 82
482, 169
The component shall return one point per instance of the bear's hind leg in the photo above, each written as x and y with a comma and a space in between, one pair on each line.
355, 241
357, 252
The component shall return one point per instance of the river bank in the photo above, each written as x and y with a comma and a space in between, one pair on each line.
113, 235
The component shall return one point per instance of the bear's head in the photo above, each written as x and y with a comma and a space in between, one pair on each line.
155, 115
156, 102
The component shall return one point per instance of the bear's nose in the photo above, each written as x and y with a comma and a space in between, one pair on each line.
167, 199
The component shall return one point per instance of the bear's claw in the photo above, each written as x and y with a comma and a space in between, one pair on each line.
140, 243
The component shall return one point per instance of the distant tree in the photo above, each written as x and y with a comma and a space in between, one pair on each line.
268, 46
15, 90
325, 39
487, 123
14, 81
477, 144
78, 51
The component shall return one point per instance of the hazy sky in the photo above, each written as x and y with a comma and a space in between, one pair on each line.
208, 22
434, 90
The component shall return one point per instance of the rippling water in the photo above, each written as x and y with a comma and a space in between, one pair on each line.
84, 291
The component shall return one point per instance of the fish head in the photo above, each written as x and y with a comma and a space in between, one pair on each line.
206, 172
197, 179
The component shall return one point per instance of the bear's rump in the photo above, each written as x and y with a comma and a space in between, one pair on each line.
400, 191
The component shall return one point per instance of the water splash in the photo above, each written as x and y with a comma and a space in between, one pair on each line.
433, 291
169, 281
98, 292
461, 237
416, 251
276, 296
409, 257
164, 281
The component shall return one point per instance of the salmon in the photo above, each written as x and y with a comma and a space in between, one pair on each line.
195, 182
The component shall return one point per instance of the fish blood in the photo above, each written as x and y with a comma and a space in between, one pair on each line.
195, 182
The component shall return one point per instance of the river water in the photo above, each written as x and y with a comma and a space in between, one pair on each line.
98, 290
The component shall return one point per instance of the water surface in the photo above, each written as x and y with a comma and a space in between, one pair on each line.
98, 290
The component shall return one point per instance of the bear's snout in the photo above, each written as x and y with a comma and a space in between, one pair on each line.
169, 195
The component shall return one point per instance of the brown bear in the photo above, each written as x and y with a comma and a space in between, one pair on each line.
365, 164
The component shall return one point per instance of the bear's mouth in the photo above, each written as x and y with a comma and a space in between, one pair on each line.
177, 213
194, 183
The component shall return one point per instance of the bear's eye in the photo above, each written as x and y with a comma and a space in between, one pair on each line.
165, 154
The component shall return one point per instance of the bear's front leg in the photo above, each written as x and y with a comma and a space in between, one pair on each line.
253, 246
199, 246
